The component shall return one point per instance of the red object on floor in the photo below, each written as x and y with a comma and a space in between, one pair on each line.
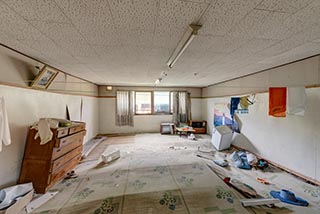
261, 180
277, 102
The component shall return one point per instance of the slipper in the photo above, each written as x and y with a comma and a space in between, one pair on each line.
289, 197
71, 175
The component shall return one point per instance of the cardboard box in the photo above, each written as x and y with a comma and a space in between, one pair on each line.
19, 205
221, 137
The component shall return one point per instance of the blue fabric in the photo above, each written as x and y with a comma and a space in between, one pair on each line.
289, 197
240, 160
234, 105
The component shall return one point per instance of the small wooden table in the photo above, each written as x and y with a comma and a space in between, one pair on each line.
186, 130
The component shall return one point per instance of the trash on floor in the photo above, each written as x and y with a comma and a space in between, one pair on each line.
262, 164
241, 187
252, 159
205, 157
222, 163
177, 147
192, 137
204, 151
13, 199
261, 180
258, 201
287, 196
239, 159
107, 156
34, 204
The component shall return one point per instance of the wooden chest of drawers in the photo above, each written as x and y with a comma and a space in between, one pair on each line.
44, 165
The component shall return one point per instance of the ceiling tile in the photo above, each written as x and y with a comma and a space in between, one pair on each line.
173, 20
222, 15
58, 32
258, 23
16, 26
134, 14
39, 10
286, 6
92, 19
130, 41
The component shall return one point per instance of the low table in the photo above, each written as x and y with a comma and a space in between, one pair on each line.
185, 131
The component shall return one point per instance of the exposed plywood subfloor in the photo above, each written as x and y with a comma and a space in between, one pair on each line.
149, 173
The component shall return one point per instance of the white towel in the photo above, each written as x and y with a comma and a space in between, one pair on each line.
297, 100
44, 129
5, 136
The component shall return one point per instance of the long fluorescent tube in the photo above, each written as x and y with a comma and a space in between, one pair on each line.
183, 44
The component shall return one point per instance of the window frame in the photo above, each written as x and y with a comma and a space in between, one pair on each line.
135, 102
162, 113
152, 103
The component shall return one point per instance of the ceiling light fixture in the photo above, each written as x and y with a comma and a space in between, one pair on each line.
183, 44
158, 81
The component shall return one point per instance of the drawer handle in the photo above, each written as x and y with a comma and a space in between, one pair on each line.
64, 141
58, 150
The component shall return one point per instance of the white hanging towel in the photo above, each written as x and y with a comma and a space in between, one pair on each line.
297, 100
5, 136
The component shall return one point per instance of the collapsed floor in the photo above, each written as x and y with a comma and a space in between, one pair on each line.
162, 174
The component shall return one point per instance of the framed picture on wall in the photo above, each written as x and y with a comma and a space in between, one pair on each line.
44, 78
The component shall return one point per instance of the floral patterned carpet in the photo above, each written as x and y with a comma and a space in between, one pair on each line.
162, 174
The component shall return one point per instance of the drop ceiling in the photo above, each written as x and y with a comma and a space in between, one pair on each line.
128, 42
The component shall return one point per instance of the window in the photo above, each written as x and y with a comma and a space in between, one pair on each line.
153, 102
161, 102
143, 102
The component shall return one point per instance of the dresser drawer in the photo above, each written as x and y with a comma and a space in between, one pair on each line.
62, 171
65, 158
62, 132
58, 152
69, 139
77, 128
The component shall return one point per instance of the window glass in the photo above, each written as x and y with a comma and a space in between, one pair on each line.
161, 102
143, 103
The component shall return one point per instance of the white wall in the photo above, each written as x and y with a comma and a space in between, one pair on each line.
142, 123
292, 141
25, 107
302, 73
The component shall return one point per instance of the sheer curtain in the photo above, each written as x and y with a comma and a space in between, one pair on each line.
124, 111
181, 107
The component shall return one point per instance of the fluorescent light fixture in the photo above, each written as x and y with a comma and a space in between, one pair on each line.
183, 44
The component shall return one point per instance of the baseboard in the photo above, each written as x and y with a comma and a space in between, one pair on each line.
306, 178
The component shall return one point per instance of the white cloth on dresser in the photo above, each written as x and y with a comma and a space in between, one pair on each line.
5, 136
44, 129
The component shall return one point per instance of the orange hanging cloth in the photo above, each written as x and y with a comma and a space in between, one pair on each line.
277, 102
